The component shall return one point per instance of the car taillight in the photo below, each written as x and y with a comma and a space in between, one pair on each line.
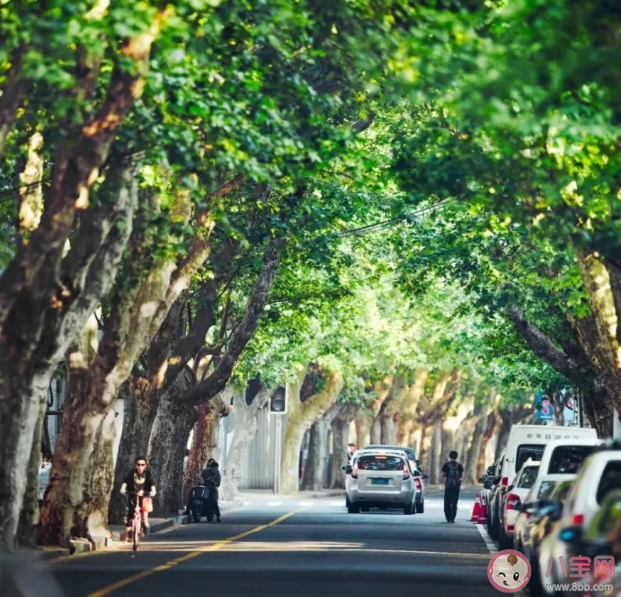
406, 472
513, 501
578, 519
505, 481
511, 528
419, 485
354, 471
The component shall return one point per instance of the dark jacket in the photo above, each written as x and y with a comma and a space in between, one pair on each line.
210, 475
135, 484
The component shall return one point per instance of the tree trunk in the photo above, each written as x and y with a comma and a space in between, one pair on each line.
363, 429
245, 430
169, 440
376, 431
340, 440
11, 95
314, 472
29, 519
435, 454
140, 409
204, 437
414, 393
300, 416
490, 431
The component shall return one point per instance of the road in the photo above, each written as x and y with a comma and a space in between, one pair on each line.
309, 548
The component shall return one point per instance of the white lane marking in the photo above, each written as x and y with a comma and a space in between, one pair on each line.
491, 546
273, 503
307, 503
339, 503
247, 503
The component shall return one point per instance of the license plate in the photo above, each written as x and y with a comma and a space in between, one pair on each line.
379, 481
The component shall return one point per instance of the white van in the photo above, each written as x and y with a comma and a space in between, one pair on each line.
529, 441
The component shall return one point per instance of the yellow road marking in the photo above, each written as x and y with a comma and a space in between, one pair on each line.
168, 565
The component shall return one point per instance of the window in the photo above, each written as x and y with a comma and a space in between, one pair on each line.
409, 451
380, 463
526, 451
566, 460
527, 478
545, 490
611, 479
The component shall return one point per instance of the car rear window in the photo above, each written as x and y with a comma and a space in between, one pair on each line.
546, 489
409, 451
528, 476
566, 460
380, 463
526, 451
611, 479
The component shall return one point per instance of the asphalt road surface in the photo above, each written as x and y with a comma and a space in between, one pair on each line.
295, 548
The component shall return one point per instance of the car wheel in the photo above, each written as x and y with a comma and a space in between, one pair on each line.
409, 509
353, 509
420, 507
364, 509
347, 502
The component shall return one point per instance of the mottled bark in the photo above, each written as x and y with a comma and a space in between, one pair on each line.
37, 335
31, 189
363, 429
340, 440
205, 436
413, 395
493, 422
139, 412
435, 454
169, 440
245, 430
314, 472
300, 416
29, 518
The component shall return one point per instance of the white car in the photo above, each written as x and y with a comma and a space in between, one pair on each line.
600, 474
380, 479
516, 494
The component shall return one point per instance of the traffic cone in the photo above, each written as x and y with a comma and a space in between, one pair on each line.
482, 513
476, 510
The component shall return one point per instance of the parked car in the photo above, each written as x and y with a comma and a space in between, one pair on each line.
538, 513
527, 442
415, 468
495, 499
516, 494
380, 480
599, 476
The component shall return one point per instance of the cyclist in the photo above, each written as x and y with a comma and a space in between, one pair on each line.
137, 483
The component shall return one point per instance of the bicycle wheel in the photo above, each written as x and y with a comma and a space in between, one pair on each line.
136, 532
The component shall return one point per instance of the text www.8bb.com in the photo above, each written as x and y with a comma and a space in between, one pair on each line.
578, 586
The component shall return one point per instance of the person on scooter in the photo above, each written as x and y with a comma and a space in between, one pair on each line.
213, 479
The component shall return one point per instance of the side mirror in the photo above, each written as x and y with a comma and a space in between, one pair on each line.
491, 470
344, 467
496, 480
348, 470
482, 479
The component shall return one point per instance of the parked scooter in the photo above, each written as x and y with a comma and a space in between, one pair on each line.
201, 501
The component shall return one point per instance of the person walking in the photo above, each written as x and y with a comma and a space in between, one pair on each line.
212, 481
453, 472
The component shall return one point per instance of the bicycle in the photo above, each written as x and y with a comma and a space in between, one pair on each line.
137, 520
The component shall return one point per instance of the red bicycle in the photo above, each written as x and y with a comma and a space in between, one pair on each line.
137, 520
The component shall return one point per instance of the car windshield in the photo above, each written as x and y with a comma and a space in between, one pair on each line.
528, 476
409, 451
546, 489
611, 479
526, 451
380, 463
568, 459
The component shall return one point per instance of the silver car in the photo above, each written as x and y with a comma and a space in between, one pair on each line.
380, 480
